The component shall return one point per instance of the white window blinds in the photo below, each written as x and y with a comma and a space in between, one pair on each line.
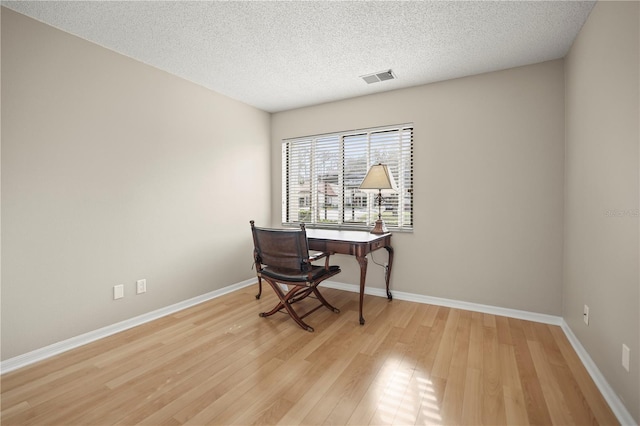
321, 176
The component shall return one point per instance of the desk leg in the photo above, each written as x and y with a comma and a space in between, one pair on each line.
362, 260
388, 271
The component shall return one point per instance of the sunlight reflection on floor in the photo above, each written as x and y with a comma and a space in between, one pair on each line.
408, 398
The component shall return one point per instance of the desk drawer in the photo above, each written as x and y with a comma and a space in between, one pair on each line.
339, 247
376, 245
318, 245
332, 246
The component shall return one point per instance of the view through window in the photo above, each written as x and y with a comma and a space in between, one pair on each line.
321, 176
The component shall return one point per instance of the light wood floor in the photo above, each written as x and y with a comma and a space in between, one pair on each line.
219, 363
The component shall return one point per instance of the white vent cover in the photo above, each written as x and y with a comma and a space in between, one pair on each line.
378, 76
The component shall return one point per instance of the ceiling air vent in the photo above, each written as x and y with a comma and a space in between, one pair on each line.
378, 76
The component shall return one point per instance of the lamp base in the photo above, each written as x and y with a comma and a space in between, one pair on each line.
379, 228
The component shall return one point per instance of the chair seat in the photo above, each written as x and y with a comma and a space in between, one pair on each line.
294, 275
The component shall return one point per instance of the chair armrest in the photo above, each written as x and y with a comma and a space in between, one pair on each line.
320, 255
315, 256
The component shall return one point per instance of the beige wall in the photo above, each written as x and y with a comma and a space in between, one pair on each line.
488, 169
602, 193
113, 171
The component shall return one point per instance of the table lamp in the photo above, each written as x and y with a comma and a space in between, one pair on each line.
379, 178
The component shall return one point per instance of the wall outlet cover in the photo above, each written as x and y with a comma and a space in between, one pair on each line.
625, 356
118, 292
141, 286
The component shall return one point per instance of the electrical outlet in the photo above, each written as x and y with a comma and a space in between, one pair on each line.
118, 292
625, 356
585, 315
141, 286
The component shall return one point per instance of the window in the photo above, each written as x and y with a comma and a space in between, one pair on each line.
321, 175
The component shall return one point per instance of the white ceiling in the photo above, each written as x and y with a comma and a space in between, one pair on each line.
282, 55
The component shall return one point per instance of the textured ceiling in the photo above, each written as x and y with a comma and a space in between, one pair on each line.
282, 55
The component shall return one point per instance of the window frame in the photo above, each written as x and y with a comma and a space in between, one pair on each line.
293, 149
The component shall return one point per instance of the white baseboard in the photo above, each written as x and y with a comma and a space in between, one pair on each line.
468, 306
77, 341
608, 393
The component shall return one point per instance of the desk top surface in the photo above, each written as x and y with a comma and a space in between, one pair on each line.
342, 235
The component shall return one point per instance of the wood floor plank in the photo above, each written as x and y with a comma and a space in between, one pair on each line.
503, 331
311, 388
556, 401
430, 317
514, 401
412, 398
472, 402
407, 383
452, 402
493, 410
476, 349
427, 359
445, 348
195, 391
415, 322
430, 410
262, 394
535, 404
220, 363
388, 360
235, 391
514, 405
338, 402
390, 387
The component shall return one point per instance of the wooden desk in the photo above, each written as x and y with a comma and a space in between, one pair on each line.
354, 243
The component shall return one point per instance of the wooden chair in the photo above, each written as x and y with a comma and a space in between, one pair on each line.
282, 257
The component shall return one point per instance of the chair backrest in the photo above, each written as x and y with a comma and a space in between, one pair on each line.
281, 248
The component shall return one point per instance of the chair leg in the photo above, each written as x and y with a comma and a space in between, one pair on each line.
324, 301
259, 288
278, 307
300, 295
297, 318
285, 303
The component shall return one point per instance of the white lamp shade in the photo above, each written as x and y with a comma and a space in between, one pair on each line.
379, 177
